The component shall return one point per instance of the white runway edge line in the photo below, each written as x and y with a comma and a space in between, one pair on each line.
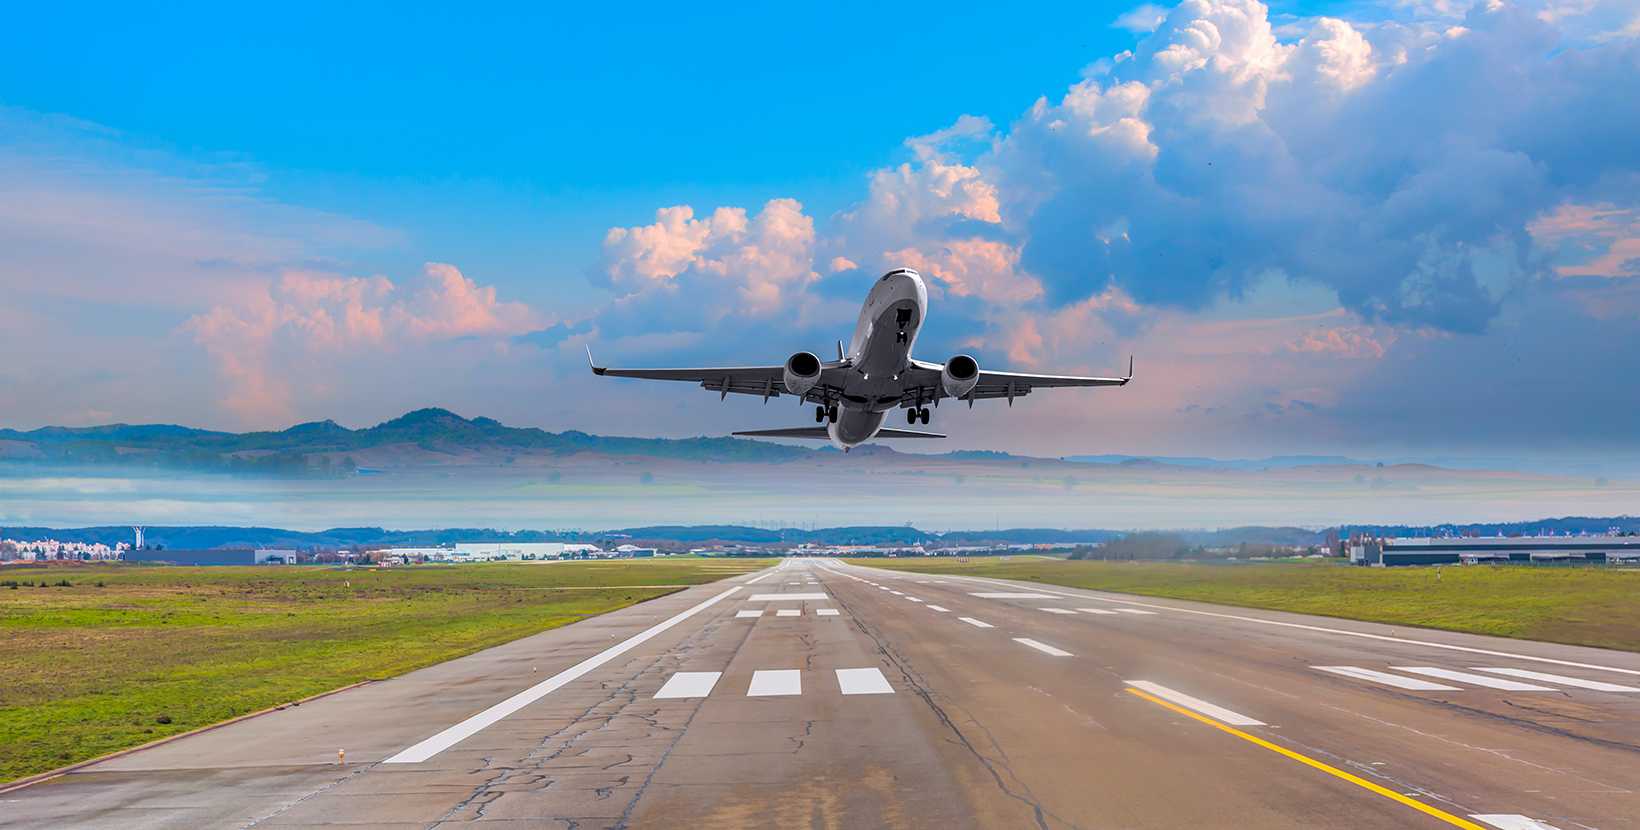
1218, 713
1042, 647
467, 728
1514, 822
1344, 632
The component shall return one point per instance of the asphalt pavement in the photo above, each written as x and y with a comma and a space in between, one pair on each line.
822, 695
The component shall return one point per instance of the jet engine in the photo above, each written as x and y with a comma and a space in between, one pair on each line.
959, 374
802, 373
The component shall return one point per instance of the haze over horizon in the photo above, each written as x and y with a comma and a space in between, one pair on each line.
1358, 229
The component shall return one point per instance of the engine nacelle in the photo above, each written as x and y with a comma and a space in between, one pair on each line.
959, 374
802, 373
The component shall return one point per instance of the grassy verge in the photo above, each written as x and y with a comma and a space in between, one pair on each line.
125, 655
1589, 607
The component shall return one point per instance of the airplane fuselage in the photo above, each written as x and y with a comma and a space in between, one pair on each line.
879, 355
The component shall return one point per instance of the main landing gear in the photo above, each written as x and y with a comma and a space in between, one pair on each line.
822, 413
912, 415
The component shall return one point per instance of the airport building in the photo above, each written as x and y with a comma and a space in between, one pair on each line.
1500, 550
232, 556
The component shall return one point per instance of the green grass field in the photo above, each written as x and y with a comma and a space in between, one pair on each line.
1589, 607
126, 655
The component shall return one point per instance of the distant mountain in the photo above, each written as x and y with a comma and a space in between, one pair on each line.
434, 430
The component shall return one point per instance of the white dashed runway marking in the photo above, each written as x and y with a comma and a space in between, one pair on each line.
972, 621
1475, 679
863, 682
1134, 611
826, 612
744, 614
1013, 596
690, 684
788, 612
784, 597
1399, 682
1095, 611
776, 682
1194, 704
937, 608
1576, 682
1056, 610
1042, 647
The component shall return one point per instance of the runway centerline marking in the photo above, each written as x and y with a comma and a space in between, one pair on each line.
972, 621
789, 612
1475, 679
1577, 682
1344, 632
689, 684
1042, 647
1399, 682
863, 682
1134, 611
780, 597
1057, 610
825, 612
1353, 779
467, 728
937, 608
1095, 611
776, 682
1198, 705
1005, 595
913, 599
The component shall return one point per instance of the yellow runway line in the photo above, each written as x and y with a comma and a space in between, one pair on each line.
1356, 780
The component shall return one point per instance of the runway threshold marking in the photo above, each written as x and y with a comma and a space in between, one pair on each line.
789, 612
467, 728
863, 682
776, 682
826, 612
1341, 631
1476, 679
1513, 822
1330, 770
1042, 647
744, 614
1197, 704
689, 684
1399, 682
1576, 682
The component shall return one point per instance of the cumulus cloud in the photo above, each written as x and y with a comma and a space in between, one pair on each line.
1142, 18
307, 320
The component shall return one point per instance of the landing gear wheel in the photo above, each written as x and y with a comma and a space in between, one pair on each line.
833, 413
910, 416
819, 414
925, 416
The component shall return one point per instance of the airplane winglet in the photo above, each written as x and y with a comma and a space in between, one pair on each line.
1130, 371
596, 369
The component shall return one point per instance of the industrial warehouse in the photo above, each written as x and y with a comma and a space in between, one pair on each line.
1497, 550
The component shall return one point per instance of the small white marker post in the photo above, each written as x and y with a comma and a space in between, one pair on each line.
341, 756
533, 671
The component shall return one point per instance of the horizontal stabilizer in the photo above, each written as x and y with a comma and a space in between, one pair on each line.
820, 432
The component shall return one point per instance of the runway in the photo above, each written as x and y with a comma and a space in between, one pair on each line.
822, 695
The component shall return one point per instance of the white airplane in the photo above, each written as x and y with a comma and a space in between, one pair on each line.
876, 374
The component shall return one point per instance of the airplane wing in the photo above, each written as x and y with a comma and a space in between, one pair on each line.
767, 381
1008, 385
820, 432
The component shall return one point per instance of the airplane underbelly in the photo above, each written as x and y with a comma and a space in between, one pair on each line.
854, 428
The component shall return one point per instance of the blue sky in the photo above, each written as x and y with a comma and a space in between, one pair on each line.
1294, 215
